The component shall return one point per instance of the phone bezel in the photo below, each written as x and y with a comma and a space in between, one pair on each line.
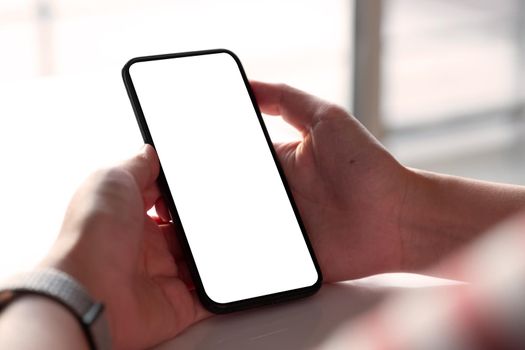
209, 303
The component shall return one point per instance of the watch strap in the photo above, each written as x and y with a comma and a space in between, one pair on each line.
62, 288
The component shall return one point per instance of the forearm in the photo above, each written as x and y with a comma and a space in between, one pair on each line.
35, 322
487, 313
442, 213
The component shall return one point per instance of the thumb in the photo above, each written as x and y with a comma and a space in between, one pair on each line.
297, 108
144, 166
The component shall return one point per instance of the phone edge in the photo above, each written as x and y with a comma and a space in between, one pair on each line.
210, 304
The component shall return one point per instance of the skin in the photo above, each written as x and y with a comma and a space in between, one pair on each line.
364, 212
347, 186
357, 201
110, 244
46, 325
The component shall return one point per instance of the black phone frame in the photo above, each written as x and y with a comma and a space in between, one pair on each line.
211, 305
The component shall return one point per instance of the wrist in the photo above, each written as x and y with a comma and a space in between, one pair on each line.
88, 273
46, 325
442, 213
71, 262
64, 291
422, 220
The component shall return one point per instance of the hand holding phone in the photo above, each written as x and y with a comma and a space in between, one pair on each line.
225, 190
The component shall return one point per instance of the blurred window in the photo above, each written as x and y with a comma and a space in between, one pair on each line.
441, 82
450, 59
438, 64
302, 42
65, 108
306, 43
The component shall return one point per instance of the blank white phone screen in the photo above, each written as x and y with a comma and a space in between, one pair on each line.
234, 209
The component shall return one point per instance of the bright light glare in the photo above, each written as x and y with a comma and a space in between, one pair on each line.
64, 108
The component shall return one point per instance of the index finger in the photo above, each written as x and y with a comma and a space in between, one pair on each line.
297, 108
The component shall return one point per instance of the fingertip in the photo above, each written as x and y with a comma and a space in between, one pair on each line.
150, 154
297, 107
267, 96
259, 85
144, 166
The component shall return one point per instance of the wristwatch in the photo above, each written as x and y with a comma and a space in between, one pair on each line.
62, 288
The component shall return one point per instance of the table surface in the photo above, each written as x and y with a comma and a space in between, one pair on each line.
303, 324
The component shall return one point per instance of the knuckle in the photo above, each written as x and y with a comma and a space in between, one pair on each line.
114, 178
284, 86
330, 111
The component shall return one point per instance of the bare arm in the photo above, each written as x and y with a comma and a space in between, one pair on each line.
365, 212
442, 213
33, 322
126, 261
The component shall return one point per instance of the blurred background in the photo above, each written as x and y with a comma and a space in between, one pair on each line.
439, 82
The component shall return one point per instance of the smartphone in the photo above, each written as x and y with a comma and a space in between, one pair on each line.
226, 192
